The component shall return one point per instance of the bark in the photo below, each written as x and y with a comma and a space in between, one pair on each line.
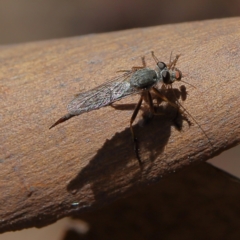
89, 160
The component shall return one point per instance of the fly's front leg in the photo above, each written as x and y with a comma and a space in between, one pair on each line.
173, 63
164, 98
135, 112
169, 102
150, 101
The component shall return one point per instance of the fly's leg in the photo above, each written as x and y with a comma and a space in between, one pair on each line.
150, 101
170, 59
135, 142
134, 69
170, 103
165, 99
143, 62
154, 57
173, 63
129, 106
144, 65
183, 112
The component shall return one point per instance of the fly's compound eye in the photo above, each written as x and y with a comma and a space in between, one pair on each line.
178, 75
161, 65
166, 77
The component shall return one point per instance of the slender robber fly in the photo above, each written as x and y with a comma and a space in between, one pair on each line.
139, 80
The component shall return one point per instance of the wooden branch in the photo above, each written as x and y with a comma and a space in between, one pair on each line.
89, 160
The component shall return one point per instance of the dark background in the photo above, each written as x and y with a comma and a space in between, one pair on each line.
25, 20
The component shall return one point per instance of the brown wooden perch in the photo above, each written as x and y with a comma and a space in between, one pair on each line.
89, 160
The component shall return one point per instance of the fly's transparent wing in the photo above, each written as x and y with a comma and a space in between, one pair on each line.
102, 95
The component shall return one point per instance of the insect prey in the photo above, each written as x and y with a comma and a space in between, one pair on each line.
139, 80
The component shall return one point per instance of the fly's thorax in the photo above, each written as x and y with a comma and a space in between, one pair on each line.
144, 78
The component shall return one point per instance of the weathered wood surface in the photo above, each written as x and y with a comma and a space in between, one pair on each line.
89, 159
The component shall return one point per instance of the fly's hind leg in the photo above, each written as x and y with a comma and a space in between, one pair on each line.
154, 57
144, 65
135, 142
134, 69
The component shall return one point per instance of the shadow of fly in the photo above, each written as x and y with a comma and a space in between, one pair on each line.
139, 80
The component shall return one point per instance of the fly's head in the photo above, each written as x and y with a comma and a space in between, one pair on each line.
168, 76
175, 75
167, 73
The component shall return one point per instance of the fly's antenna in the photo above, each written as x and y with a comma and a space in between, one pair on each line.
187, 74
189, 84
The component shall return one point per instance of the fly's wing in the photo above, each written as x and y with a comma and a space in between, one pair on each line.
102, 96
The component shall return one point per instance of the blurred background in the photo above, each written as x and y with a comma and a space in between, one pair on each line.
24, 21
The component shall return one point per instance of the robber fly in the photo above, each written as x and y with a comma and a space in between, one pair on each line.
139, 80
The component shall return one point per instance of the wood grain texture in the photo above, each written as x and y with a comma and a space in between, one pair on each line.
89, 160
